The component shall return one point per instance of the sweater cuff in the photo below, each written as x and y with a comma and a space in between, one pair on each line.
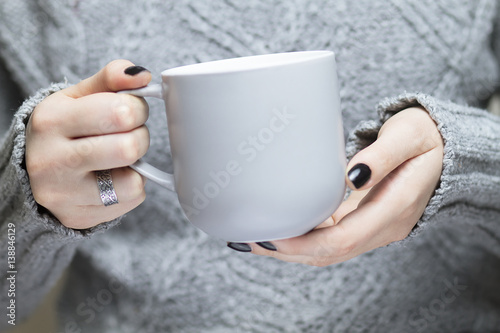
18, 130
471, 151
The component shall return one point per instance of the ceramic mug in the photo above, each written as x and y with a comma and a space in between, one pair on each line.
257, 143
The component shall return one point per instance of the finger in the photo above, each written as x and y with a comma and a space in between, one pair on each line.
305, 248
128, 185
345, 208
350, 204
260, 251
108, 151
84, 191
383, 216
407, 134
110, 78
100, 113
325, 246
87, 216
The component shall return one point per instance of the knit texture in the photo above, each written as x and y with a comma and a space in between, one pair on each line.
154, 272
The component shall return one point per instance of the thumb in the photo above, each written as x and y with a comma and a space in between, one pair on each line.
405, 135
115, 76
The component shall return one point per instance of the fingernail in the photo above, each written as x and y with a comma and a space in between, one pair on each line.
241, 247
359, 174
134, 70
267, 245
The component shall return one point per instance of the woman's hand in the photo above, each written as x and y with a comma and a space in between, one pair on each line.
82, 129
393, 180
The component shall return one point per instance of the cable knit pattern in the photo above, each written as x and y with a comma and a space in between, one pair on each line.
154, 272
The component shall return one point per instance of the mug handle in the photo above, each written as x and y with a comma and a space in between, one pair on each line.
147, 170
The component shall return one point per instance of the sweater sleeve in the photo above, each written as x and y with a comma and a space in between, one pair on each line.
470, 180
36, 247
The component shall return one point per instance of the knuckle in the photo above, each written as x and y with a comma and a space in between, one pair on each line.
129, 112
40, 166
129, 149
35, 166
433, 140
426, 133
123, 115
41, 197
46, 199
41, 120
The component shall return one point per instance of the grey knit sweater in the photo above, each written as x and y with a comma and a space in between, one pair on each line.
154, 272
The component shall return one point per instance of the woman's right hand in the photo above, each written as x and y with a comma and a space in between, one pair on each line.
82, 129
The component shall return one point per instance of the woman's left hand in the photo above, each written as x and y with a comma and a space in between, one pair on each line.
392, 181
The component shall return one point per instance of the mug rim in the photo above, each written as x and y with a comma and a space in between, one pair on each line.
247, 63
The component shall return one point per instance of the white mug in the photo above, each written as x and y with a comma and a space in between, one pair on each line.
257, 143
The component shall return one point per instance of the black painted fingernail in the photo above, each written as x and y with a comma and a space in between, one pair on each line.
134, 70
267, 245
359, 174
241, 247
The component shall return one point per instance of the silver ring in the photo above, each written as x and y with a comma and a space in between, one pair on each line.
106, 189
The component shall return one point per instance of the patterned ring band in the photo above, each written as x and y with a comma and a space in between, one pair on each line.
106, 189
